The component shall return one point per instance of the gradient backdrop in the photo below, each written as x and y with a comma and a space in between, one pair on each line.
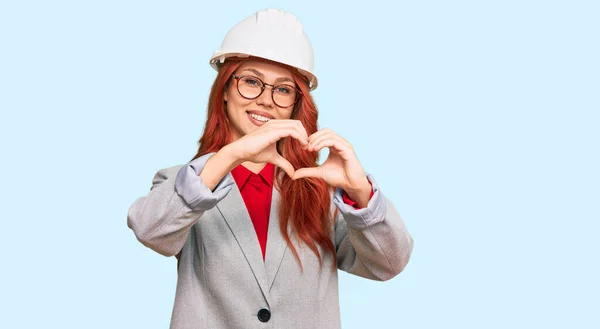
479, 119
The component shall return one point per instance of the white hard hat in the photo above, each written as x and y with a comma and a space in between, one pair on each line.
270, 34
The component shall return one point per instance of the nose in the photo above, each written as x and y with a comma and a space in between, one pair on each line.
266, 98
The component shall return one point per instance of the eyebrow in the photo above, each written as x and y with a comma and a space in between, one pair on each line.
262, 76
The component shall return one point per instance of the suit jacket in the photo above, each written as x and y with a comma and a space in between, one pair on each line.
223, 281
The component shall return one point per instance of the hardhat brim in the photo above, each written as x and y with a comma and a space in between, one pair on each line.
219, 58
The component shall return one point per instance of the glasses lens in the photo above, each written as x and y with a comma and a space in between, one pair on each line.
284, 95
250, 87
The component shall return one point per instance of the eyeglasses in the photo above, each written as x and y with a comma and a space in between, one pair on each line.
251, 87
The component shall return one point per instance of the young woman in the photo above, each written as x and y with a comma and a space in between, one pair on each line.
258, 227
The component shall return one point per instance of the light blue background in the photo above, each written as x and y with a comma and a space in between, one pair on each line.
479, 119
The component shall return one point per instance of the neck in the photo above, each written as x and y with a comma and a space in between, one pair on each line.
253, 166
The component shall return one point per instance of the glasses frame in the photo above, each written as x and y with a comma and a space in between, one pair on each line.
264, 84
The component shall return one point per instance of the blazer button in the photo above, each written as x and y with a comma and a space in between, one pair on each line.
264, 315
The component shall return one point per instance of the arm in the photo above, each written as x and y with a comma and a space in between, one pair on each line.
179, 196
371, 242
162, 219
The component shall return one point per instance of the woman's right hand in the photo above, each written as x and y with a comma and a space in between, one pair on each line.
261, 144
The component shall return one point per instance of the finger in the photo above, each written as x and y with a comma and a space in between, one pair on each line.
303, 129
297, 125
285, 165
326, 133
332, 143
291, 132
277, 131
319, 133
318, 138
287, 131
341, 143
308, 172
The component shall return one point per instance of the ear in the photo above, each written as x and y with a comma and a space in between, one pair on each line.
226, 93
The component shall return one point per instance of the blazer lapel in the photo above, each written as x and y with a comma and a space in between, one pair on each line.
276, 245
236, 215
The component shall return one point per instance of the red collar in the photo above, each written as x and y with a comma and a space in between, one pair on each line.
241, 174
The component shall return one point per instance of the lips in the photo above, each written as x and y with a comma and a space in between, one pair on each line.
261, 113
254, 121
257, 121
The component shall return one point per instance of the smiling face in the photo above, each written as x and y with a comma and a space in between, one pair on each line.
244, 114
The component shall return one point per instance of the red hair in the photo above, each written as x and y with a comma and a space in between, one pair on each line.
304, 203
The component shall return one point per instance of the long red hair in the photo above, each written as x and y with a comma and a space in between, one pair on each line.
304, 202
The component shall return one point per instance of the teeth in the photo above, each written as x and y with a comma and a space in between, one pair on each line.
259, 117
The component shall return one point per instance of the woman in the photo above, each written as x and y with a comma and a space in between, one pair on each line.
258, 227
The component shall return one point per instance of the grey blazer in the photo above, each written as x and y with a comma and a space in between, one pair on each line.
223, 281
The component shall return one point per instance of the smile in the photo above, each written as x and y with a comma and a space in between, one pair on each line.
258, 117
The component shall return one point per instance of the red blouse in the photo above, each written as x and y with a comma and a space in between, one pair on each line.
256, 190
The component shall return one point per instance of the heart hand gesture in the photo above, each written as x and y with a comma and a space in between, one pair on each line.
341, 169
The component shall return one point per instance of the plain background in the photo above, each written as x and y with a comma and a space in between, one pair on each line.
479, 119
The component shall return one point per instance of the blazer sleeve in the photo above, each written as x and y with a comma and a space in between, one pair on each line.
161, 220
371, 242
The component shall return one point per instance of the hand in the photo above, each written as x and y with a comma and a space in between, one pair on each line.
341, 169
260, 145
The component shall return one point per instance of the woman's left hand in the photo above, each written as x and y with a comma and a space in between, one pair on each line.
341, 169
